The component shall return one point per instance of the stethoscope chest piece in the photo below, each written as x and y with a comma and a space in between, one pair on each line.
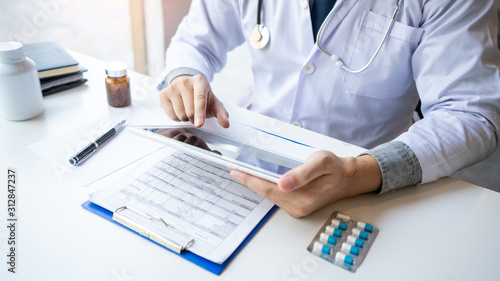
260, 36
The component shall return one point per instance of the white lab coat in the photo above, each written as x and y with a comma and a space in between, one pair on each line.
442, 52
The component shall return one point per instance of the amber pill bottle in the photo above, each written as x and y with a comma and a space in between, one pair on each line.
117, 85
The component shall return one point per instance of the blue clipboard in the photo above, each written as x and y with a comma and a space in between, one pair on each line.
215, 268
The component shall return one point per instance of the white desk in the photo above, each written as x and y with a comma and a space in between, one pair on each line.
448, 230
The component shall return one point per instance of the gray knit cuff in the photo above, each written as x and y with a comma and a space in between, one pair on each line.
175, 73
399, 165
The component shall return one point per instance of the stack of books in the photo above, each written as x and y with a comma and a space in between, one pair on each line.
57, 69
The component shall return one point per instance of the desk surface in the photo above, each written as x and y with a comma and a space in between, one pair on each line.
447, 230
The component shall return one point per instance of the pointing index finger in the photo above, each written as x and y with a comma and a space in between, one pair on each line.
200, 92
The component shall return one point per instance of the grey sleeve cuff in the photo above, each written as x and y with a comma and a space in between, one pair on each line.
399, 165
177, 72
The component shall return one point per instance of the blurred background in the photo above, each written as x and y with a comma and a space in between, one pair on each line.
138, 32
108, 30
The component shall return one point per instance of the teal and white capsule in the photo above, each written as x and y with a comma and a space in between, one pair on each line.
359, 233
327, 239
350, 249
364, 226
355, 241
339, 224
343, 217
343, 258
321, 248
333, 231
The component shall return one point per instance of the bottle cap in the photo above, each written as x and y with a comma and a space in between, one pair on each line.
116, 69
11, 52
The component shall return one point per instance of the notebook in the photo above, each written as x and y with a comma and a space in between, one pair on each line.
50, 59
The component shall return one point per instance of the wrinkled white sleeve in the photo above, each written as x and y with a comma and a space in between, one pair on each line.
205, 35
456, 72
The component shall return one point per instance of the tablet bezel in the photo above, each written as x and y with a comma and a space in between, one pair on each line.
208, 155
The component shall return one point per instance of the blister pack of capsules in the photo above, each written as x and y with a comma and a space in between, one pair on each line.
343, 241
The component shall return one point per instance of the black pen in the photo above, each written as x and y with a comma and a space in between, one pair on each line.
91, 148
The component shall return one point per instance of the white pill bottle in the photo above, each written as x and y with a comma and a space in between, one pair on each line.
20, 94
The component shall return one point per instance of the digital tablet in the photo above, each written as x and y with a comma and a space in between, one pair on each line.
231, 151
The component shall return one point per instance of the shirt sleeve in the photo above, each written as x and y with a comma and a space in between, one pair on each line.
398, 164
203, 40
456, 70
175, 73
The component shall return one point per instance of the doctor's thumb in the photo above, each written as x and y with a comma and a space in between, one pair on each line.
286, 182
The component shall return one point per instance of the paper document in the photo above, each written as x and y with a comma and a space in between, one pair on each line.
195, 196
110, 158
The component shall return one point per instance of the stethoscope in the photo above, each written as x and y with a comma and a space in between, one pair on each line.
261, 35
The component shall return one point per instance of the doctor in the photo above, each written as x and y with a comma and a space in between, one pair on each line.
354, 74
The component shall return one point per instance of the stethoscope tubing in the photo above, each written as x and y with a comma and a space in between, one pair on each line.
259, 9
336, 59
338, 62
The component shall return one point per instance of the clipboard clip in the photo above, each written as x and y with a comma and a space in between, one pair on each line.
152, 234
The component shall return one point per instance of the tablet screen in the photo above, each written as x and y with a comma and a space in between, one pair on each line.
226, 150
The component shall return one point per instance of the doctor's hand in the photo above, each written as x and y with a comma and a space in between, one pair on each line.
324, 178
190, 98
